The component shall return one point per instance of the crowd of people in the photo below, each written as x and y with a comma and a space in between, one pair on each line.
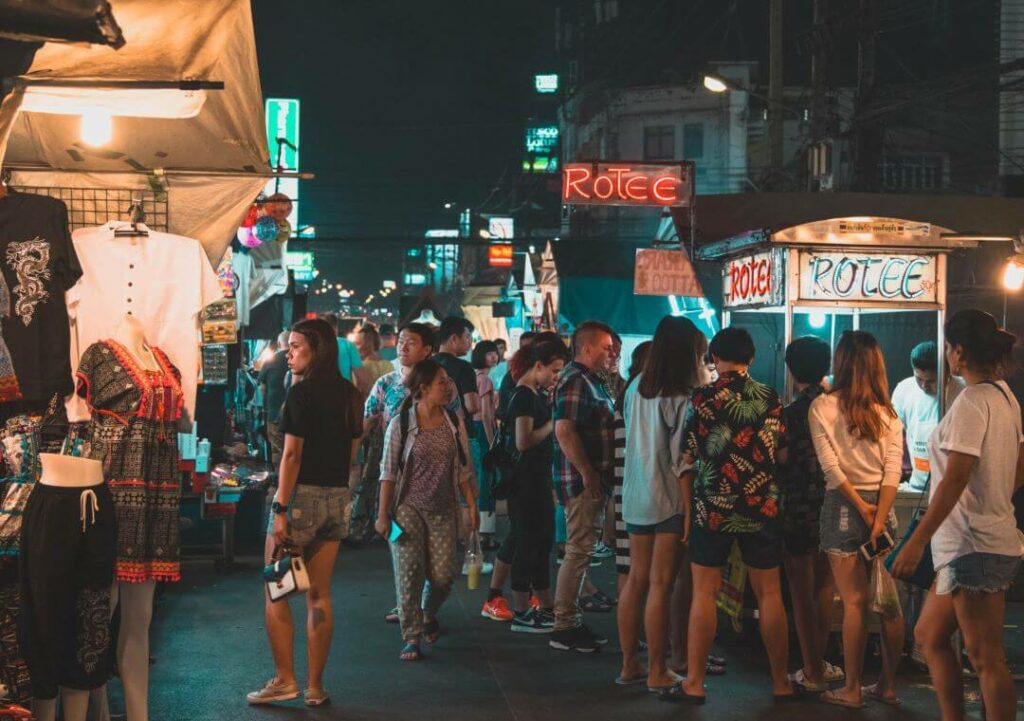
670, 468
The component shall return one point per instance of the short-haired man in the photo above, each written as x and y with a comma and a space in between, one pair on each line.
582, 473
455, 338
802, 482
388, 343
732, 437
916, 400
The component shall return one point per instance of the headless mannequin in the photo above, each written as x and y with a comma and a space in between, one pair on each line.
135, 599
67, 472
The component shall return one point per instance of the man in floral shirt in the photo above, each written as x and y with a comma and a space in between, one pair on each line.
733, 438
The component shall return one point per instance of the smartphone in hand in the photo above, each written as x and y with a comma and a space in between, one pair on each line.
882, 544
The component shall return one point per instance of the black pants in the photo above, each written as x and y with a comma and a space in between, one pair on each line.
531, 511
66, 577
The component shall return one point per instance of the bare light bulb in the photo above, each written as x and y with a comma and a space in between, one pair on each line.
1013, 276
97, 127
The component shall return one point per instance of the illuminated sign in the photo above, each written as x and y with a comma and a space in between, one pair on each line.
415, 279
303, 275
499, 256
541, 138
753, 280
867, 276
540, 164
666, 273
503, 228
627, 184
546, 84
299, 261
442, 233
890, 227
282, 119
389, 285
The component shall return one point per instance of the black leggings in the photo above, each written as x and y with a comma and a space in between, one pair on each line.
531, 511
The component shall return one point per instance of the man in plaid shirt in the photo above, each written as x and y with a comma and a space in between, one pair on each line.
582, 472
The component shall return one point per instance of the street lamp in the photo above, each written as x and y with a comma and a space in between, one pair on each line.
715, 84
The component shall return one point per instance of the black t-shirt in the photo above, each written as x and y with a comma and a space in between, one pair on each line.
525, 401
39, 264
505, 389
327, 415
460, 371
273, 373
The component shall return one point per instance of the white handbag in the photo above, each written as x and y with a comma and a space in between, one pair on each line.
285, 576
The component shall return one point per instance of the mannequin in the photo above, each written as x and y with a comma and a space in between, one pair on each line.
135, 598
68, 472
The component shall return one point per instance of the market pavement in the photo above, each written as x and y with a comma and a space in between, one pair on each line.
211, 649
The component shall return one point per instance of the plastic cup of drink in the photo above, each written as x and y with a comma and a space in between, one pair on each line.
474, 576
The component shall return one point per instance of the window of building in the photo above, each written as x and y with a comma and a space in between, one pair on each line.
606, 10
693, 141
926, 171
659, 142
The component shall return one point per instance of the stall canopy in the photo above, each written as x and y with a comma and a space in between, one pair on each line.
198, 150
724, 216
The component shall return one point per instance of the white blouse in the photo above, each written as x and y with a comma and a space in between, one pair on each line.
163, 280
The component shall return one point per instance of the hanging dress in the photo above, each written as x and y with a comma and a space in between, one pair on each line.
134, 434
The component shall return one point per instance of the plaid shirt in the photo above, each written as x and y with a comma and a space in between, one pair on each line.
580, 397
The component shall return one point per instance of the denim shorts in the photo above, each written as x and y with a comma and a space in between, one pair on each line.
978, 573
316, 513
672, 524
843, 531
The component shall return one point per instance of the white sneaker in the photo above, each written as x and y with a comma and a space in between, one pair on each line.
274, 691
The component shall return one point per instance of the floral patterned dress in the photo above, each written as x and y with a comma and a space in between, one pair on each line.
134, 434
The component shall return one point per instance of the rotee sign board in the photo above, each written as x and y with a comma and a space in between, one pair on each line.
853, 276
754, 280
637, 184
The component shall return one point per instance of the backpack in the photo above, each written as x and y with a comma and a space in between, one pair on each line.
502, 458
403, 425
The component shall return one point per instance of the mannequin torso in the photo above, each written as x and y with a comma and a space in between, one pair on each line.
70, 471
129, 333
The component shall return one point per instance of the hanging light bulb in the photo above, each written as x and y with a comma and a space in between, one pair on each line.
97, 127
817, 318
1013, 276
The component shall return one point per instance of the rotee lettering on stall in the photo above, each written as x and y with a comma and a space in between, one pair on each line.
754, 280
867, 277
628, 184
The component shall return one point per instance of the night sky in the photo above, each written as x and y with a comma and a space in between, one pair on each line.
405, 105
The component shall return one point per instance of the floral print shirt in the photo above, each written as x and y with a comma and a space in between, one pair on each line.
385, 398
733, 434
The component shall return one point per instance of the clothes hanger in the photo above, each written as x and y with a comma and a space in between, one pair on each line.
136, 216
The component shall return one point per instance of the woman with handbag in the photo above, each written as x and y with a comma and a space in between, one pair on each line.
859, 442
426, 465
977, 463
654, 410
531, 506
321, 422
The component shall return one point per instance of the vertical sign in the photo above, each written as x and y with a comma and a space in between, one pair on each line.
282, 116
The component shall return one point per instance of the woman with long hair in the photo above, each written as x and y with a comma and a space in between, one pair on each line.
654, 410
426, 465
481, 434
321, 422
977, 463
859, 442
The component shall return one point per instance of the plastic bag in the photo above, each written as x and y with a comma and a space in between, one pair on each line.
884, 599
474, 561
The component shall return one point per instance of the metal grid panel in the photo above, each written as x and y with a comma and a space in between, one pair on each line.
89, 207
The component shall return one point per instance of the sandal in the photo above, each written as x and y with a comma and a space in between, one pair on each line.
391, 616
431, 631
836, 700
872, 693
716, 660
591, 604
631, 680
411, 652
676, 694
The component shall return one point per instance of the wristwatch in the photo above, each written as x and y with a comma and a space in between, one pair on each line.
276, 507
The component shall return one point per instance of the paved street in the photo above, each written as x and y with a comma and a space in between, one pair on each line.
211, 649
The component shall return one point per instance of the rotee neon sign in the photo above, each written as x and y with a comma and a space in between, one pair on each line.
627, 184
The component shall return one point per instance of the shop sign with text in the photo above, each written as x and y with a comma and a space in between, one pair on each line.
664, 185
754, 280
665, 272
882, 277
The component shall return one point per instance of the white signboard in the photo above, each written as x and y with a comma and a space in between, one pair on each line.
868, 277
753, 280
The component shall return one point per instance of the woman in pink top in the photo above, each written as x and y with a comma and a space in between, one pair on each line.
859, 442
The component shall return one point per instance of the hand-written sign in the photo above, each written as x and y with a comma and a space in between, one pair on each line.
665, 272
753, 280
627, 184
867, 276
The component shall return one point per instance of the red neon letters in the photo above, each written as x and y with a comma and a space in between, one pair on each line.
499, 256
750, 280
626, 184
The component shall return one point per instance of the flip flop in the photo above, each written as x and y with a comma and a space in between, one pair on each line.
676, 680
676, 694
412, 650
872, 693
831, 697
716, 660
632, 680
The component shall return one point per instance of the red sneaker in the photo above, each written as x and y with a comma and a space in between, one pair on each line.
534, 602
497, 609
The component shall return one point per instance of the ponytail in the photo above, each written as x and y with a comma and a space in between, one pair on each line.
985, 346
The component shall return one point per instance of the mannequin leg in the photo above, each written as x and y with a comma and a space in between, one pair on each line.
133, 647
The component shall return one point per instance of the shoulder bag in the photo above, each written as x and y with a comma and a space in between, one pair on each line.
286, 576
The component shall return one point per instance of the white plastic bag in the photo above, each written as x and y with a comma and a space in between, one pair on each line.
884, 598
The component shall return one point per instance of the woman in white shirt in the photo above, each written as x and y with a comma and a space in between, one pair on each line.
976, 464
859, 442
654, 411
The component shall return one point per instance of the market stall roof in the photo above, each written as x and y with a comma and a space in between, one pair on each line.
725, 216
171, 130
